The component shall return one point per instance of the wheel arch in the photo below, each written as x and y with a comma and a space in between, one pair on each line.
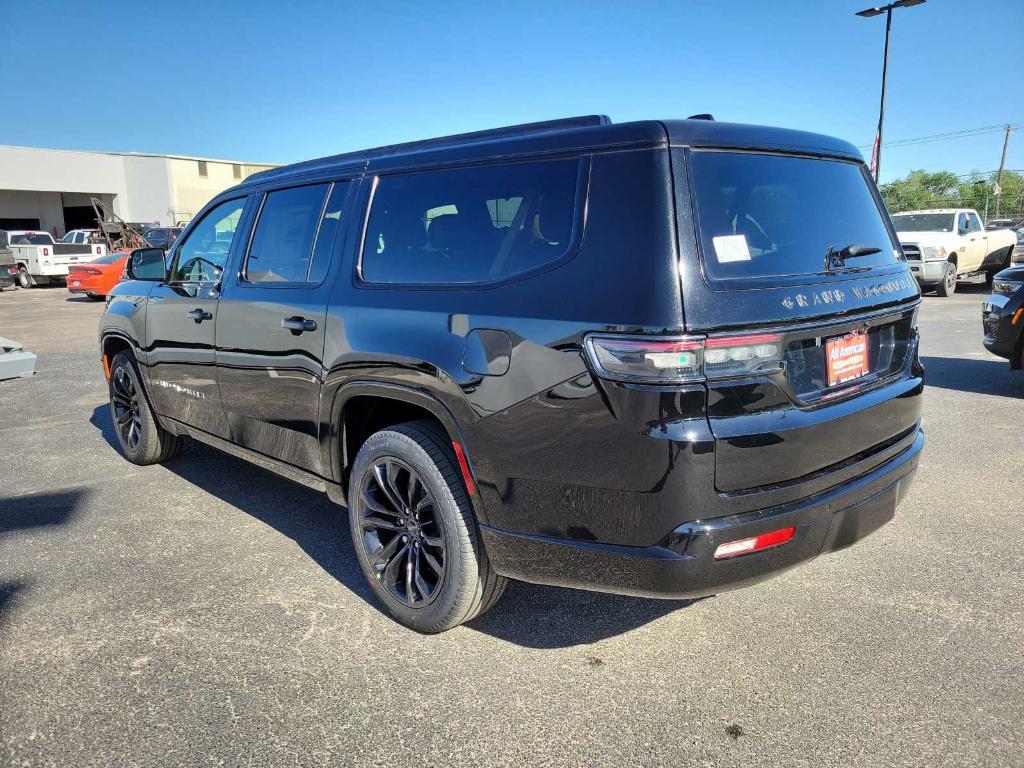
360, 408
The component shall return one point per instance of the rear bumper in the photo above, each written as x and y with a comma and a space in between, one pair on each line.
682, 565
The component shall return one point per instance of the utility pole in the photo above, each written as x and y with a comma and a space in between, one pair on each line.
1002, 163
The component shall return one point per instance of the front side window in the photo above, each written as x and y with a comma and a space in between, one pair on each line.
294, 234
975, 222
203, 254
471, 225
767, 216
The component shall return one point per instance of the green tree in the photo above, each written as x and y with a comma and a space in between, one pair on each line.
944, 189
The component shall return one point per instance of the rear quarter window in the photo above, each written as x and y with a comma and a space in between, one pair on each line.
472, 226
763, 217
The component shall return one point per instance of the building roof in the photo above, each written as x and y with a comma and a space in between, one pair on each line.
138, 154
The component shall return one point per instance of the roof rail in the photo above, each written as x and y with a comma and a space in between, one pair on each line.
511, 131
544, 126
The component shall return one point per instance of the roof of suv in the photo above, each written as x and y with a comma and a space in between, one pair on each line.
591, 131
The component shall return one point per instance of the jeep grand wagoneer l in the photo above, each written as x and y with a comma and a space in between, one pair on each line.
655, 358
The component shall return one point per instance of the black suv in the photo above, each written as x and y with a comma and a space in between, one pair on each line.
1002, 317
654, 358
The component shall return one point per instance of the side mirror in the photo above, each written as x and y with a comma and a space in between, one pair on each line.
147, 264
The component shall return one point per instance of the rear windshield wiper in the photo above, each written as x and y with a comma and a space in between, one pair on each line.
836, 259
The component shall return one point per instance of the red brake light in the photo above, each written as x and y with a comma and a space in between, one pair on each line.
98, 250
671, 360
46, 251
754, 543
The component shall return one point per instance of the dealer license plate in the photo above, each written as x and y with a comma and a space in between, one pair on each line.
847, 358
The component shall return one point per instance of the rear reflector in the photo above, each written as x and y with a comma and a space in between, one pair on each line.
754, 543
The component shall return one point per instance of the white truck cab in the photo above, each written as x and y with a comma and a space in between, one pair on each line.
944, 244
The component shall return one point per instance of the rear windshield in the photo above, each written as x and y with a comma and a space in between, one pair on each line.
110, 258
923, 222
766, 216
35, 239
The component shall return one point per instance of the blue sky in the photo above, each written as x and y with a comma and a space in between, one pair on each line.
280, 82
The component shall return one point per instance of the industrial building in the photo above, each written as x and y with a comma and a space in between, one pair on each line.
50, 189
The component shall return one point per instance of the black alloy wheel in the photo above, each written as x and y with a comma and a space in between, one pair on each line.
143, 441
402, 533
414, 530
124, 398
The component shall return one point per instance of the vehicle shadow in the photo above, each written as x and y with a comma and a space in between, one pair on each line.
8, 597
528, 615
983, 377
41, 510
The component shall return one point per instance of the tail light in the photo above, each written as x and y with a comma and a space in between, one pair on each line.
684, 359
83, 271
46, 251
98, 250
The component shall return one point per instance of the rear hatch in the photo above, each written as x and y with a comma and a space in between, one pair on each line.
795, 252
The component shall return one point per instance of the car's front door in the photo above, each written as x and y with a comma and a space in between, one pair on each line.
270, 324
978, 241
181, 322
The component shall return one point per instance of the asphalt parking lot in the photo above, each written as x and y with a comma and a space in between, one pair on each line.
211, 613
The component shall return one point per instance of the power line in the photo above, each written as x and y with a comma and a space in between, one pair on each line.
967, 132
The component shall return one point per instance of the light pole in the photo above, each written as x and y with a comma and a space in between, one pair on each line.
867, 13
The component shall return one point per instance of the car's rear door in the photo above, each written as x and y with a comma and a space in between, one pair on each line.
808, 359
180, 351
270, 324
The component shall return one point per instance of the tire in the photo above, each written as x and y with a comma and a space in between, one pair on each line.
143, 441
25, 279
947, 286
1004, 262
409, 514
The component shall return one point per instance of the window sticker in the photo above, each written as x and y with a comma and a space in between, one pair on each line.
731, 248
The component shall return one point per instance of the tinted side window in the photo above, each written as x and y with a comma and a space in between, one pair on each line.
282, 243
961, 223
975, 222
470, 225
204, 252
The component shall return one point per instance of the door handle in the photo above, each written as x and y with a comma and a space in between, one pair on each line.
298, 325
199, 315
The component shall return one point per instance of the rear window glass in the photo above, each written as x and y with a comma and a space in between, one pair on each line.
472, 225
110, 258
763, 216
35, 239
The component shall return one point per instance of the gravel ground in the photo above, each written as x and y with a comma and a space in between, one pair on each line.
211, 613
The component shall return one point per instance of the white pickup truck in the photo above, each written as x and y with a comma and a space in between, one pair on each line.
942, 245
40, 260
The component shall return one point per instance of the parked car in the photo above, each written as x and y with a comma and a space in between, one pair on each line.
1013, 224
8, 266
1002, 317
658, 358
41, 260
943, 245
162, 237
90, 236
96, 278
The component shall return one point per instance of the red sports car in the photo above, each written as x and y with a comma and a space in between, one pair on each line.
96, 278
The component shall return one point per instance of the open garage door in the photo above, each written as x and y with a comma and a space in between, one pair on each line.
79, 217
